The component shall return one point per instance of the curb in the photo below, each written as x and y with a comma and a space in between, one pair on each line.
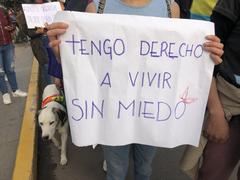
26, 157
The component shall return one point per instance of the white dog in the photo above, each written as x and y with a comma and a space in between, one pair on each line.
53, 117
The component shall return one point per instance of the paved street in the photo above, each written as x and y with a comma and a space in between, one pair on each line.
85, 164
11, 115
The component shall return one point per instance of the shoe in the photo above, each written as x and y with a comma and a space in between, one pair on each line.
6, 99
19, 93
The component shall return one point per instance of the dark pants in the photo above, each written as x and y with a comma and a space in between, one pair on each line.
219, 160
40, 52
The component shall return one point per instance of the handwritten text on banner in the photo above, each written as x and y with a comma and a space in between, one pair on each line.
37, 15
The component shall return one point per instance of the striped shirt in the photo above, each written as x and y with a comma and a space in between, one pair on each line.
202, 9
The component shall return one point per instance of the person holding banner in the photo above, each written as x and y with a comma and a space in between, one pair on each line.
117, 157
36, 36
43, 54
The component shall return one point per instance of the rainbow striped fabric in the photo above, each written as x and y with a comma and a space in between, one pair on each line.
202, 9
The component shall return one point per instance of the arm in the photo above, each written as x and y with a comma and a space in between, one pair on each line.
36, 32
216, 127
91, 8
184, 8
175, 10
10, 27
62, 3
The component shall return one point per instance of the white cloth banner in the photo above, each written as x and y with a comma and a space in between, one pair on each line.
134, 79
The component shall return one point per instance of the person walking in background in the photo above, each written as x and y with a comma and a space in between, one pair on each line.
7, 59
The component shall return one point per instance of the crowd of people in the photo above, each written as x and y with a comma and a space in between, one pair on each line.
221, 152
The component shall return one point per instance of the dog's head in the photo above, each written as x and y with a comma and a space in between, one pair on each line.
49, 119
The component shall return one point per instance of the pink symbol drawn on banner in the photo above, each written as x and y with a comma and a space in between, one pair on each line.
186, 99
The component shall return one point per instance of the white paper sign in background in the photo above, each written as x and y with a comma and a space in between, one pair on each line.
133, 79
37, 15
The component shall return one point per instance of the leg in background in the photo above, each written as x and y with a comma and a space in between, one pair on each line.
219, 160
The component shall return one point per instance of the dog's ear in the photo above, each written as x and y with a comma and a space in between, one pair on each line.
38, 112
62, 115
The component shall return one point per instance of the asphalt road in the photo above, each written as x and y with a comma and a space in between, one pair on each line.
85, 164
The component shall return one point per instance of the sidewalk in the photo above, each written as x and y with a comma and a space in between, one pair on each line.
11, 115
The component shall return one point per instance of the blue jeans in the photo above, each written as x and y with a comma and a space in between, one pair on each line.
7, 67
117, 158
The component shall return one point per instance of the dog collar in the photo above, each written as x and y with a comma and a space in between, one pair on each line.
57, 98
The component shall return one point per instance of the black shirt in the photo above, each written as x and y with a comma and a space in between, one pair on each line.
226, 17
77, 5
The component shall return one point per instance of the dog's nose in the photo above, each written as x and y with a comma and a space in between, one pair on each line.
45, 137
